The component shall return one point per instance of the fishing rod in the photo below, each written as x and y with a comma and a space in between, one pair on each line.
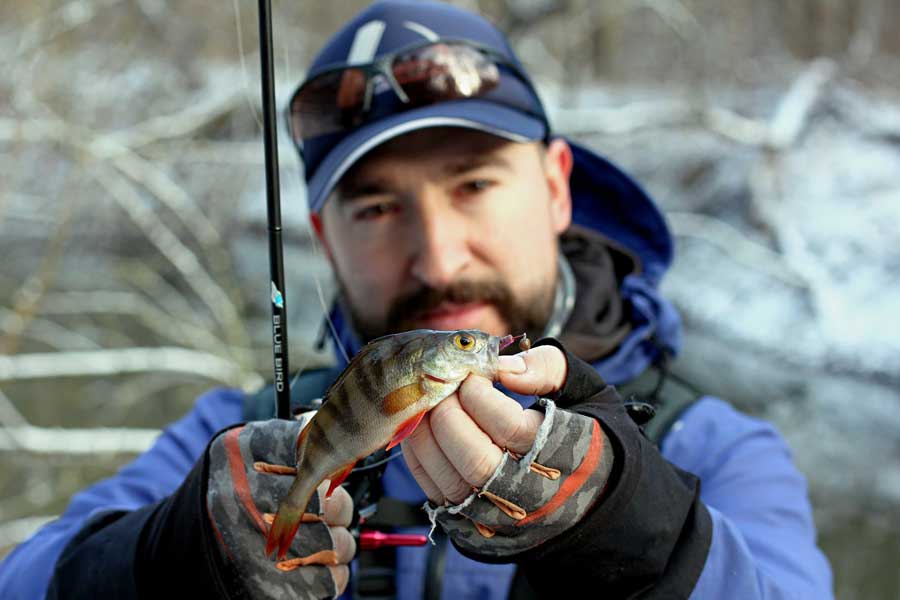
281, 384
365, 495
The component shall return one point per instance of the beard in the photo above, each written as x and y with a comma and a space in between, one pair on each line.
527, 314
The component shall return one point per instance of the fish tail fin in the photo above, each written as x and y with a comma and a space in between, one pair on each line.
287, 521
283, 530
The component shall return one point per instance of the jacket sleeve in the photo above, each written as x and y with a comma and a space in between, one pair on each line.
747, 535
764, 539
648, 536
116, 504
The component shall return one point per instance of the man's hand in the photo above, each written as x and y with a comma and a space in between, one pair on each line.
460, 443
502, 479
250, 469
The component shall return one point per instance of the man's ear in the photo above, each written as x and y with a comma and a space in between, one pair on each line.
558, 162
315, 219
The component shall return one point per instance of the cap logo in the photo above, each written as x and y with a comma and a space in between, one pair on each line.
422, 30
365, 43
368, 37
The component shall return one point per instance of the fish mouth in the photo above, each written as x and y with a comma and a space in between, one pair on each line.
494, 345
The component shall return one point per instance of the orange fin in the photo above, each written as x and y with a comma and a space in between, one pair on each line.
338, 477
406, 429
283, 530
402, 398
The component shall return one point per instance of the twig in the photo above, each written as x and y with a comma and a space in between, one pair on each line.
171, 247
9, 414
133, 305
102, 147
145, 386
154, 286
28, 297
866, 36
126, 360
735, 244
90, 441
624, 119
64, 19
677, 16
182, 124
797, 104
45, 331
19, 530
736, 127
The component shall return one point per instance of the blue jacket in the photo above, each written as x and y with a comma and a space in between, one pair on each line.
763, 537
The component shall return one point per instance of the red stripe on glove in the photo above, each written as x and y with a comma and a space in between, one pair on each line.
239, 477
574, 481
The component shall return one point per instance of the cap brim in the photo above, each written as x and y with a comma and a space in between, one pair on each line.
478, 115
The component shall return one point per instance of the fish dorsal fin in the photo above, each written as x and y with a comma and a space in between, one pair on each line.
374, 351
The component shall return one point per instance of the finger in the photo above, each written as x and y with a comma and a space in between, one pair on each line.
437, 466
344, 544
545, 371
468, 448
339, 508
508, 424
432, 491
341, 576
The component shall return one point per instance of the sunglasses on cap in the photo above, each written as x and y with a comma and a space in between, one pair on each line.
343, 98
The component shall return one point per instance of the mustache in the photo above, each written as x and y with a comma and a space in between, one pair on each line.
408, 307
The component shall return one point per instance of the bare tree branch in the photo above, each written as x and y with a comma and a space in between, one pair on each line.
795, 107
126, 360
19, 530
166, 325
170, 246
194, 117
867, 36
735, 244
624, 119
28, 297
170, 194
66, 18
9, 414
92, 441
45, 331
677, 16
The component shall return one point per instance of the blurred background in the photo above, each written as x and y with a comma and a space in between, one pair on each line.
133, 260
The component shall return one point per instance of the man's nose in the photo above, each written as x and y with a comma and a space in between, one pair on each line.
441, 250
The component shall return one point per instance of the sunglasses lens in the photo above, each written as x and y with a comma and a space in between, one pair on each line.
331, 102
444, 72
341, 100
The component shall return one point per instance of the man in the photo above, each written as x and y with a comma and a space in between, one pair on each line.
445, 202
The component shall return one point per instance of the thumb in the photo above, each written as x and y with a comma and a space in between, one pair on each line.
538, 371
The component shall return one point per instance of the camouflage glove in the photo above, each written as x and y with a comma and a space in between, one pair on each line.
532, 498
248, 474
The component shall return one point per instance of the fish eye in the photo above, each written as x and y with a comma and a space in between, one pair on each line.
464, 341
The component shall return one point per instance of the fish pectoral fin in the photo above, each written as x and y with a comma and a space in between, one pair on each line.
406, 429
338, 477
402, 398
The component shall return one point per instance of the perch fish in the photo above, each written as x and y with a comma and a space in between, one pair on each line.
378, 400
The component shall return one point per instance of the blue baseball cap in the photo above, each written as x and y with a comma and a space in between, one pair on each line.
388, 26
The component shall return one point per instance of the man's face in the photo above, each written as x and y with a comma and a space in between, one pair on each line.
449, 229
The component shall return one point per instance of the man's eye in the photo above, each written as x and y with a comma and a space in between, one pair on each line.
373, 211
476, 185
